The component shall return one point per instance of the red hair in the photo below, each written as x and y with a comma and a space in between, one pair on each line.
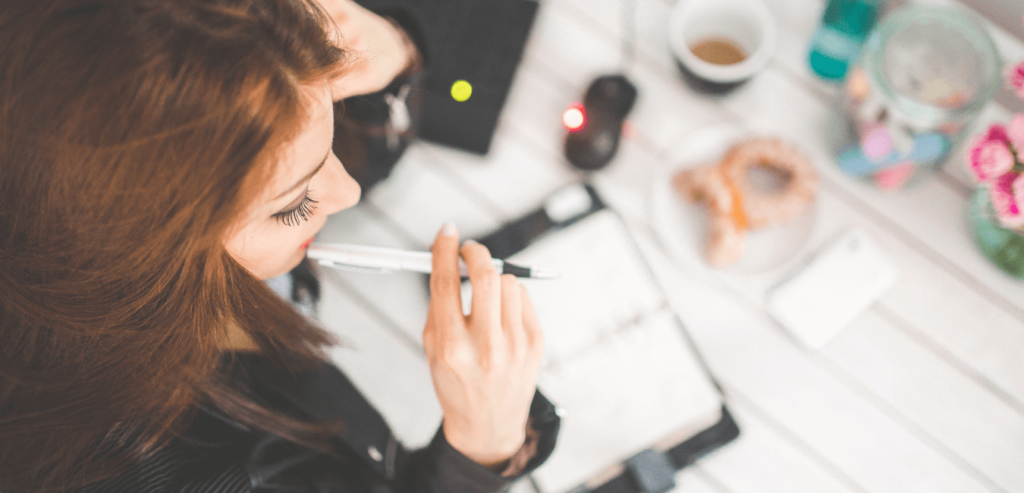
132, 134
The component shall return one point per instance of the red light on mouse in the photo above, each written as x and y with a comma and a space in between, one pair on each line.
574, 118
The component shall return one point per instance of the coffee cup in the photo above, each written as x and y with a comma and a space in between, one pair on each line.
720, 44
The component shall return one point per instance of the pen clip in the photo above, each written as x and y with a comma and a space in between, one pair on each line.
354, 268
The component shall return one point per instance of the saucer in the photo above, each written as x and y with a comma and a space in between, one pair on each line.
682, 226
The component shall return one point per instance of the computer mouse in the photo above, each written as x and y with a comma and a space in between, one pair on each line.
594, 136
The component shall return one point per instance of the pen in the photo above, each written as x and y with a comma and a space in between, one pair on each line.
382, 260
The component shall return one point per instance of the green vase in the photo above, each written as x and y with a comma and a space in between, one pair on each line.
1003, 246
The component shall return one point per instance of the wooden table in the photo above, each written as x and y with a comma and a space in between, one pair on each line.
923, 392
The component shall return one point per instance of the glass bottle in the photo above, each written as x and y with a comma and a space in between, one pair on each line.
837, 42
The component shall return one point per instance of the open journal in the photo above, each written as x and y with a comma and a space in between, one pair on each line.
618, 361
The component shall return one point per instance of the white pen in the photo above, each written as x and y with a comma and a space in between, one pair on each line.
375, 259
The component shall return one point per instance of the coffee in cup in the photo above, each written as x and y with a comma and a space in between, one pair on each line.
720, 44
719, 51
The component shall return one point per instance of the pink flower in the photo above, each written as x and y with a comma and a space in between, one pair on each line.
1015, 132
997, 132
990, 159
1006, 200
1018, 190
1015, 76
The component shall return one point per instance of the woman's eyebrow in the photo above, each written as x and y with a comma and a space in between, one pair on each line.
305, 178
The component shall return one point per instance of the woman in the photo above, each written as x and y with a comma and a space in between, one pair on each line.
159, 158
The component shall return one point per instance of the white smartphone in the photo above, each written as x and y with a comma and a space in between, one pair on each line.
841, 281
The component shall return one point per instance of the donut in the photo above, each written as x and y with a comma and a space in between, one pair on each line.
774, 208
735, 205
707, 185
725, 242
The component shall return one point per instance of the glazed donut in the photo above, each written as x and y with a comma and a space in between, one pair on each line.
774, 208
725, 242
707, 185
734, 205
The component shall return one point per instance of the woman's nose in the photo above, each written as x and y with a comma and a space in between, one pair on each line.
341, 190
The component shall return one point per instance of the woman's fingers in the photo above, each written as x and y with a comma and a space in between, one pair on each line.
485, 377
379, 48
511, 303
485, 310
445, 287
512, 313
531, 325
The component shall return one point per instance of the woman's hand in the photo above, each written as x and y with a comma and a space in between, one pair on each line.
379, 51
484, 365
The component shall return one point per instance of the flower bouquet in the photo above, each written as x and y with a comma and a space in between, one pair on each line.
996, 159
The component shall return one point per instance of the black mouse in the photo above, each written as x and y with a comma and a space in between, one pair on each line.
605, 106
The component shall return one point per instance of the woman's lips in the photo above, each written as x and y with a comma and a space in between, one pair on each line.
306, 244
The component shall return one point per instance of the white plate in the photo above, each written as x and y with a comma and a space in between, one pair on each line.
682, 226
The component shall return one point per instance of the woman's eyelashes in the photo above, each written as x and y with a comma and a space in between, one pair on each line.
298, 214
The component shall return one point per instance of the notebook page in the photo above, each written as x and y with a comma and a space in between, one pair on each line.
616, 358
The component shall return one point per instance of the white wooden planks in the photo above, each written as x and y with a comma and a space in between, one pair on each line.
392, 376
754, 358
765, 459
932, 395
513, 178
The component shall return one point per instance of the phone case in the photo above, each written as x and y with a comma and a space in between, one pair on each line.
829, 292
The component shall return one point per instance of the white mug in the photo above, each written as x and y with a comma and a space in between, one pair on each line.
747, 23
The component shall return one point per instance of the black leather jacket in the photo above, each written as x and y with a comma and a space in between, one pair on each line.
220, 455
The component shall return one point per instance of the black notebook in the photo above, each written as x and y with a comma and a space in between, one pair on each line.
477, 41
482, 43
618, 360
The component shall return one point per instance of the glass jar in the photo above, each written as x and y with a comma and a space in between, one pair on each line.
1003, 246
924, 74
